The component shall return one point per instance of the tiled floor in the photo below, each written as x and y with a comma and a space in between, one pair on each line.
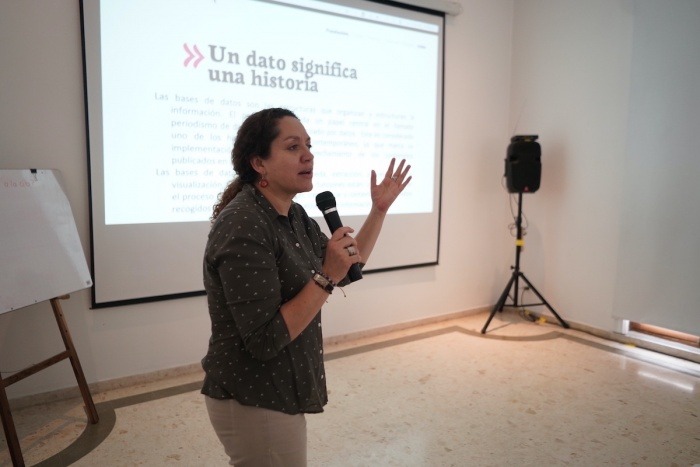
435, 395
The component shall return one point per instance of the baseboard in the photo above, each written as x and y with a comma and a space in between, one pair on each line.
194, 368
636, 339
104, 386
641, 341
374, 332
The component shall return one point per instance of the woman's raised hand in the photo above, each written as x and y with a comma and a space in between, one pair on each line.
385, 193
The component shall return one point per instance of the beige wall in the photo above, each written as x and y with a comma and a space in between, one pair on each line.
568, 81
42, 125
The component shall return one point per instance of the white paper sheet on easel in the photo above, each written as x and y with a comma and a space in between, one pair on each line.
41, 256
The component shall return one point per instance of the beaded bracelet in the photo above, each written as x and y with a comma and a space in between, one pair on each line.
323, 281
333, 283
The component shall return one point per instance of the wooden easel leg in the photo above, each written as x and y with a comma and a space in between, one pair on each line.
70, 353
8, 425
90, 409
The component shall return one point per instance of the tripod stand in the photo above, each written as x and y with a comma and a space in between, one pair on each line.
517, 275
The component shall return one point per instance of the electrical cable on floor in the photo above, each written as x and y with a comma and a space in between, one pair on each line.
523, 312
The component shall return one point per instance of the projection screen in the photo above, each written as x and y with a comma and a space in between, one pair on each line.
168, 82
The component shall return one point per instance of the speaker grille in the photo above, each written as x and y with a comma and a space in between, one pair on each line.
523, 167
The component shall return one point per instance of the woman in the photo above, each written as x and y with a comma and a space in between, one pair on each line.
268, 269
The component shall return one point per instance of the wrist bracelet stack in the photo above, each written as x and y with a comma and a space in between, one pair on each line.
323, 281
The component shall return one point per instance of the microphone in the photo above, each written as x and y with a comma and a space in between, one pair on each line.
326, 203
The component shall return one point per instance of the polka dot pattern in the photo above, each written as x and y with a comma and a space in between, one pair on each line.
255, 261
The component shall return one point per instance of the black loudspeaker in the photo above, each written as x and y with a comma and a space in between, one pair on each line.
523, 165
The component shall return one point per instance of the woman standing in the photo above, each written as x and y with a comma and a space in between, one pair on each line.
268, 269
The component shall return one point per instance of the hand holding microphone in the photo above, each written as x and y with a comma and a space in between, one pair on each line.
326, 203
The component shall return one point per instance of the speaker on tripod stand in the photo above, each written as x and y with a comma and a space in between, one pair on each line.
523, 173
523, 164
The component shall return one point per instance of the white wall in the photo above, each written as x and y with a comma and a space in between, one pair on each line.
659, 259
42, 125
569, 82
571, 85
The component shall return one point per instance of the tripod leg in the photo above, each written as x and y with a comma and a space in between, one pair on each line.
563, 323
500, 303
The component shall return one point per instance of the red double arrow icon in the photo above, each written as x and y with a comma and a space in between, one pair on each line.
193, 54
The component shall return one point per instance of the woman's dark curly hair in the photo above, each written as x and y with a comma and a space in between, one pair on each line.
254, 138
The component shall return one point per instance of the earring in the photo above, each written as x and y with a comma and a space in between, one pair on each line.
264, 183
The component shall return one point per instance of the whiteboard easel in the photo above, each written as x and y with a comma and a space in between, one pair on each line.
40, 252
41, 259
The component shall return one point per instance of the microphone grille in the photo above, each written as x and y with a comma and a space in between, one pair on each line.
325, 200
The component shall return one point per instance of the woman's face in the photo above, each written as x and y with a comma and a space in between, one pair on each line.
289, 169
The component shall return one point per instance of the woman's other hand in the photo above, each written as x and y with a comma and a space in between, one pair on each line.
385, 193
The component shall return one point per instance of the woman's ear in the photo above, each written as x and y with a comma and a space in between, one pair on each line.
258, 165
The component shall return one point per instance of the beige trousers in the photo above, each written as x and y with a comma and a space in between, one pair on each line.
256, 437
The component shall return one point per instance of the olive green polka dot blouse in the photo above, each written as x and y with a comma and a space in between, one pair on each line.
256, 260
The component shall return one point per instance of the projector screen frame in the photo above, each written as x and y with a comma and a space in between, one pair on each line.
93, 137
